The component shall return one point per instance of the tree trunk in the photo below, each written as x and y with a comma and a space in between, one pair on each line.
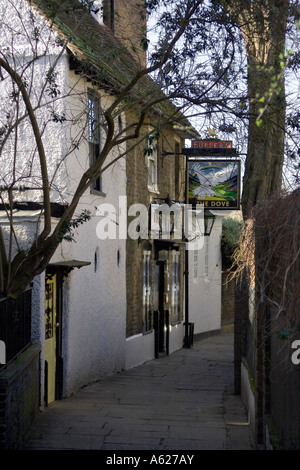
263, 26
264, 163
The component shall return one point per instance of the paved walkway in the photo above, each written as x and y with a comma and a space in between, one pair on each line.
184, 401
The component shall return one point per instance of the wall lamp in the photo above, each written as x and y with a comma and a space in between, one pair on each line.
209, 220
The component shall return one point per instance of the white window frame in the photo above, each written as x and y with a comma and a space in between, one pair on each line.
94, 134
176, 287
147, 290
151, 163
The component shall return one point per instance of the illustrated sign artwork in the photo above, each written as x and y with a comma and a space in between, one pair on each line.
214, 183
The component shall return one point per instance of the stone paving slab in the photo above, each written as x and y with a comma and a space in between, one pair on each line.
179, 402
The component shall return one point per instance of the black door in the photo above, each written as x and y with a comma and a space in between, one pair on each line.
161, 313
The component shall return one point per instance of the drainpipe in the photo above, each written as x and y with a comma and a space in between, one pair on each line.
187, 342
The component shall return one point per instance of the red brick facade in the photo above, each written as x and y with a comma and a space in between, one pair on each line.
170, 182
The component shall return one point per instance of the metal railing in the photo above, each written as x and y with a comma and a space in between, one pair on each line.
15, 324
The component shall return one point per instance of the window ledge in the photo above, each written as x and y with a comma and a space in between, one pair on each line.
147, 332
153, 190
97, 193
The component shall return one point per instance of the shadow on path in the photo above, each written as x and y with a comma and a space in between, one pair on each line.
184, 401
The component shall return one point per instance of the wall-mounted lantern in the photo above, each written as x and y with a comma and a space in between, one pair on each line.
209, 220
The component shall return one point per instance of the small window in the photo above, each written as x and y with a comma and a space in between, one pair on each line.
96, 260
151, 155
177, 173
175, 297
93, 103
120, 123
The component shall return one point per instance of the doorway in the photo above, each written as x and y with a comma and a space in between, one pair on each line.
51, 326
161, 301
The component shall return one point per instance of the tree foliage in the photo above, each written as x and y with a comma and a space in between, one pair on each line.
256, 52
230, 239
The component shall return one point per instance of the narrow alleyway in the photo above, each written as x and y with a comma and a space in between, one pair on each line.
181, 402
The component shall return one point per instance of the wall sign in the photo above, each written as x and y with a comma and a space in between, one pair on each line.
211, 144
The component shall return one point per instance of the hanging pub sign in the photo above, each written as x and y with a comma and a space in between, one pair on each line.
214, 183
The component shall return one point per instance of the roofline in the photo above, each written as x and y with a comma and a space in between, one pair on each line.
82, 58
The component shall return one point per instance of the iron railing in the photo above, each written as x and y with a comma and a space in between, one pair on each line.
15, 324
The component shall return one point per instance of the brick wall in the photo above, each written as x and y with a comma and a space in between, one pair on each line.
170, 182
130, 26
19, 397
228, 300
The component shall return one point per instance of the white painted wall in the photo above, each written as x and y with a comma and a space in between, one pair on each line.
94, 313
176, 336
205, 283
94, 317
95, 296
94, 323
139, 349
16, 40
